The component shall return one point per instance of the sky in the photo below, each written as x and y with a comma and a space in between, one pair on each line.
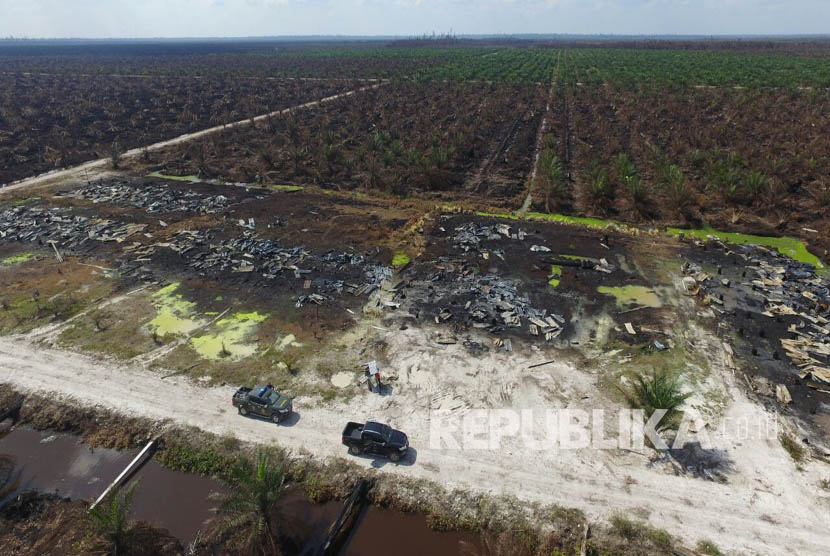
240, 18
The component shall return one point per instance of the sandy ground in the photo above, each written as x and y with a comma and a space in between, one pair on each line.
767, 507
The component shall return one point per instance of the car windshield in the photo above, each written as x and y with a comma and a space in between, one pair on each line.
386, 432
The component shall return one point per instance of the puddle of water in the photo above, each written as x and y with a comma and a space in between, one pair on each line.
61, 463
173, 500
383, 531
34, 455
178, 502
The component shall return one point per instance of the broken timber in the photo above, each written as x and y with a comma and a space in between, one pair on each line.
339, 531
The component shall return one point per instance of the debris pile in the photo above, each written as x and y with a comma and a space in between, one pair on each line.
152, 198
790, 292
491, 302
468, 236
60, 226
245, 253
792, 289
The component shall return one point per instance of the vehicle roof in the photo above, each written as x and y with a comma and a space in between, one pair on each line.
374, 426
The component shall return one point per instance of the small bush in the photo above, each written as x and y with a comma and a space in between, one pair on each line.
205, 460
637, 532
708, 547
793, 447
658, 391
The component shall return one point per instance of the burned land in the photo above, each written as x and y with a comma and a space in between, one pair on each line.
408, 139
55, 121
537, 227
750, 160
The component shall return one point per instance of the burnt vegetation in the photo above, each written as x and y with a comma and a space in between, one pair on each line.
54, 121
400, 137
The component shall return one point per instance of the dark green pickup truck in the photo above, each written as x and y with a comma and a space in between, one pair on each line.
263, 401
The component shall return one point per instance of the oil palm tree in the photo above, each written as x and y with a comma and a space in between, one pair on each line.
111, 520
246, 508
658, 391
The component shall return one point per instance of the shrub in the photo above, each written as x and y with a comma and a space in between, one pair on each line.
708, 547
792, 446
658, 391
639, 532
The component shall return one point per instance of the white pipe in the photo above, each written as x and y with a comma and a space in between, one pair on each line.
135, 464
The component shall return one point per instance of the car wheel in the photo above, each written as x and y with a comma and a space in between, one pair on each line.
276, 418
354, 450
243, 411
395, 457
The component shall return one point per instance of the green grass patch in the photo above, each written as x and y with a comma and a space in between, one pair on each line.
641, 532
789, 246
556, 275
227, 341
205, 460
285, 188
631, 295
27, 200
400, 259
191, 178
84, 336
17, 259
176, 316
708, 547
587, 222
793, 447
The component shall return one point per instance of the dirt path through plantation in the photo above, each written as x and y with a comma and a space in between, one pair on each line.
766, 508
80, 171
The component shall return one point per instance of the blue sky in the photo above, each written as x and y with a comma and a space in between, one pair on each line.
188, 18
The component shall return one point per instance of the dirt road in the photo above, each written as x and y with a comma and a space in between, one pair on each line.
81, 170
766, 508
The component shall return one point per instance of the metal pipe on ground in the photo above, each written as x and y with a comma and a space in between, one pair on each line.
131, 468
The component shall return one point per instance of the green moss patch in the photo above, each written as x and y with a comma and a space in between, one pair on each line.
285, 188
400, 259
191, 178
17, 259
631, 295
176, 316
555, 275
789, 246
227, 341
27, 200
595, 223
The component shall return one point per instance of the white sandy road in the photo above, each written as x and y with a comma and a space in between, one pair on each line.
767, 508
80, 170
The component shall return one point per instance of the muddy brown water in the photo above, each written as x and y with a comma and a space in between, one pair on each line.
49, 462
